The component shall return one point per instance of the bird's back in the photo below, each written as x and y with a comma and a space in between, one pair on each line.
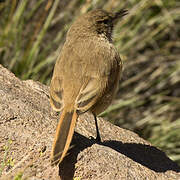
89, 59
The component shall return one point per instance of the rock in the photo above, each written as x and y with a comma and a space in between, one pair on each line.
27, 127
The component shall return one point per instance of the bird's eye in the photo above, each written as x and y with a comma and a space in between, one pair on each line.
104, 21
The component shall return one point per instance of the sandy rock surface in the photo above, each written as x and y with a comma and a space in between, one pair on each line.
27, 127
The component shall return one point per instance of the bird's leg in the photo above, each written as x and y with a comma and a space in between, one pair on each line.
98, 138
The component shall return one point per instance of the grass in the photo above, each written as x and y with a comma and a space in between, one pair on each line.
7, 161
18, 176
148, 101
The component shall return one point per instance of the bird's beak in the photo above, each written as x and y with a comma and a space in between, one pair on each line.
120, 14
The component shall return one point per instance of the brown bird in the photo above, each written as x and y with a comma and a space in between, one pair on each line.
86, 75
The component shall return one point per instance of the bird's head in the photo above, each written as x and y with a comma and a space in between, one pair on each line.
97, 21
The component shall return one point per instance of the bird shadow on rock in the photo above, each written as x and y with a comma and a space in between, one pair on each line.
67, 166
146, 155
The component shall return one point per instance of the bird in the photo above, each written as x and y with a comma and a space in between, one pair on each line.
86, 75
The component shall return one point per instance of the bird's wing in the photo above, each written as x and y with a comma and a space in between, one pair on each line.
90, 72
101, 71
56, 94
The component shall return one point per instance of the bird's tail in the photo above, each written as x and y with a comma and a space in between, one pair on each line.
63, 136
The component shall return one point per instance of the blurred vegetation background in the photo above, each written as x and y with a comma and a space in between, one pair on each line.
148, 39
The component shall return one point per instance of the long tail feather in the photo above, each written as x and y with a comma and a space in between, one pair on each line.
63, 136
